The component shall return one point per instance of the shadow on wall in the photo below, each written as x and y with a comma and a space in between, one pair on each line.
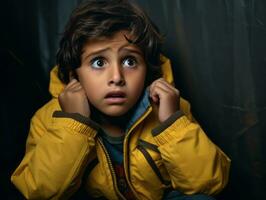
21, 97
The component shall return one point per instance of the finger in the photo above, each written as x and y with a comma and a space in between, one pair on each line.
160, 80
152, 92
165, 83
163, 86
170, 89
74, 85
158, 92
78, 88
164, 80
154, 83
73, 81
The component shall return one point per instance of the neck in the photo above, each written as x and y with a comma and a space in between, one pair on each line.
113, 130
115, 126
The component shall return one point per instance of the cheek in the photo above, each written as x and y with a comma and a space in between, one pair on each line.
88, 90
92, 90
89, 84
137, 83
140, 80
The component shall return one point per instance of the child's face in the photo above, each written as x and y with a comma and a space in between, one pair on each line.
112, 73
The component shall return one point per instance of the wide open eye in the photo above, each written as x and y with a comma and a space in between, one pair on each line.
98, 62
129, 62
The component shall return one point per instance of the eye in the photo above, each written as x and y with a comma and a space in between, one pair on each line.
129, 62
98, 62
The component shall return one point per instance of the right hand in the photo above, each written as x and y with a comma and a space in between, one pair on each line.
73, 99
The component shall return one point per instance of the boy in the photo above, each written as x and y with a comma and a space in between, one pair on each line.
113, 126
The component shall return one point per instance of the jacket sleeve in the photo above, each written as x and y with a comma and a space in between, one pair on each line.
58, 148
194, 163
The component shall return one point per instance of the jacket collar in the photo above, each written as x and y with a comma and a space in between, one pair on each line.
141, 108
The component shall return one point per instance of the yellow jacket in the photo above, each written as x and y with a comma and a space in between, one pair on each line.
60, 146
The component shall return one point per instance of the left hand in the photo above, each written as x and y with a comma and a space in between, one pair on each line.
166, 96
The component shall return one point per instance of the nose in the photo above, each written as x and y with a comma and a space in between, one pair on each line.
116, 76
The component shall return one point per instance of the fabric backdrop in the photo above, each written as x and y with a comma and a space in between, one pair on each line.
217, 48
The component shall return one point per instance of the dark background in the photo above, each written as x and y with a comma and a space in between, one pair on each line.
218, 52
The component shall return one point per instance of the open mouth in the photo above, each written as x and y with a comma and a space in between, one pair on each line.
114, 94
115, 97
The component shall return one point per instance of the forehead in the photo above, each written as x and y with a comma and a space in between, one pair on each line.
116, 42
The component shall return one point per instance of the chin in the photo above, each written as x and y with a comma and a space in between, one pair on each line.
117, 113
114, 111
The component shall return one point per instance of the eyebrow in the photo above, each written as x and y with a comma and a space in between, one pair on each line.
131, 51
122, 48
135, 49
96, 53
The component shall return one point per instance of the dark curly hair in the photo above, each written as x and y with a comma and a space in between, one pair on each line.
103, 18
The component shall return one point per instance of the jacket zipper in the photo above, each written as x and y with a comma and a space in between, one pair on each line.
112, 171
126, 147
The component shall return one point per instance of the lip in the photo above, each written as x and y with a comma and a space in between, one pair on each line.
115, 97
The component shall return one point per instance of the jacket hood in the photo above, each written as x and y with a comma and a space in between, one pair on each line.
56, 86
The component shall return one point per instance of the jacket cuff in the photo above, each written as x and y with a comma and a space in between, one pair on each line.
78, 122
173, 131
157, 130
